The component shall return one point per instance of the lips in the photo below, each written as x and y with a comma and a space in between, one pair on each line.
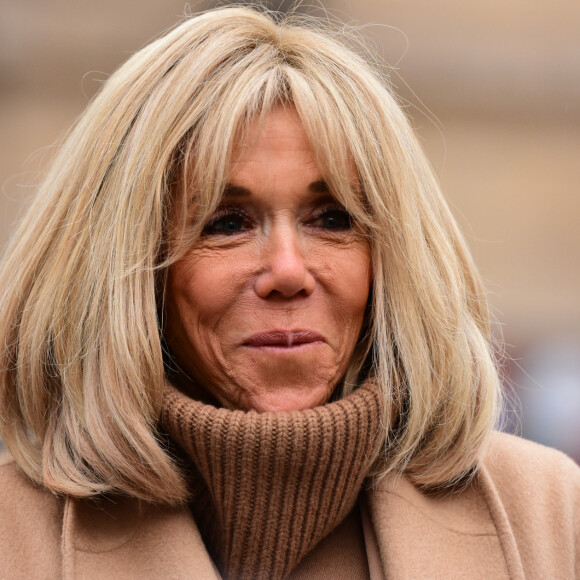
283, 338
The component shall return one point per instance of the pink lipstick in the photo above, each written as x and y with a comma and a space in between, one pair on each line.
283, 338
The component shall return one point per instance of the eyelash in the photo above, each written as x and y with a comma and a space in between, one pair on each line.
222, 217
230, 215
336, 212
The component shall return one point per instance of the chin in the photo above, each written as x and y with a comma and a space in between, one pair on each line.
287, 399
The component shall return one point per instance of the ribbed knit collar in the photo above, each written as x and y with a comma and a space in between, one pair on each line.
267, 487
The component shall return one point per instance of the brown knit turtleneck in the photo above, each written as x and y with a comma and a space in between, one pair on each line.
270, 486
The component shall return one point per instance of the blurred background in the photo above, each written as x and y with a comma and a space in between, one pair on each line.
493, 90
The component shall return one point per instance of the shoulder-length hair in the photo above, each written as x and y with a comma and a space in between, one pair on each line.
81, 369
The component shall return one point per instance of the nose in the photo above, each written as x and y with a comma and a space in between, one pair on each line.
284, 271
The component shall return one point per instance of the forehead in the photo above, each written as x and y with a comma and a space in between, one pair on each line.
275, 161
275, 146
278, 132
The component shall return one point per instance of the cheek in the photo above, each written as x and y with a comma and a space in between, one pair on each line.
352, 280
186, 292
196, 288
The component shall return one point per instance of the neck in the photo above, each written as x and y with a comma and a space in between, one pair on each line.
267, 487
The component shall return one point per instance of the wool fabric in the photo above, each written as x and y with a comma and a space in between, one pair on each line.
267, 487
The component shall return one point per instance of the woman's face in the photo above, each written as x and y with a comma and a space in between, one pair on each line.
265, 310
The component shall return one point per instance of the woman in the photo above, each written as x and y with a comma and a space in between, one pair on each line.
244, 337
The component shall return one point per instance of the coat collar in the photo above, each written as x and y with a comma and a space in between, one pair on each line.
128, 539
408, 534
461, 534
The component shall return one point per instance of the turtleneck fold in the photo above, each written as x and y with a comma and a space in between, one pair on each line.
267, 487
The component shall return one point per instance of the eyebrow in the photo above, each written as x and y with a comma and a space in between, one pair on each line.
233, 191
319, 186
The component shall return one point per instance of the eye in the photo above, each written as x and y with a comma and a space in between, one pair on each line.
333, 218
227, 222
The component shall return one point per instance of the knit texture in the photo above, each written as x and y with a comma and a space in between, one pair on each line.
267, 487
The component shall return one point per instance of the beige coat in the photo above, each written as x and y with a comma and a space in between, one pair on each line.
519, 519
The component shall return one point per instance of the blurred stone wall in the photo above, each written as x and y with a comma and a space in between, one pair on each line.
493, 90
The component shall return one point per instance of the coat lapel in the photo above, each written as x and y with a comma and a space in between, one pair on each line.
127, 539
464, 534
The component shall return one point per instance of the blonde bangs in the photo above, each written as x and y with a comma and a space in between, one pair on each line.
262, 80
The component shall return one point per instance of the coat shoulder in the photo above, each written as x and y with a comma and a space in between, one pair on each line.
539, 489
19, 493
31, 525
524, 467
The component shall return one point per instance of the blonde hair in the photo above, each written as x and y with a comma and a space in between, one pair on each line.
82, 372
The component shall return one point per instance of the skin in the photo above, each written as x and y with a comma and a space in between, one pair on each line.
280, 262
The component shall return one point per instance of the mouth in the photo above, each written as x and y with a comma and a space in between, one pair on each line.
286, 339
